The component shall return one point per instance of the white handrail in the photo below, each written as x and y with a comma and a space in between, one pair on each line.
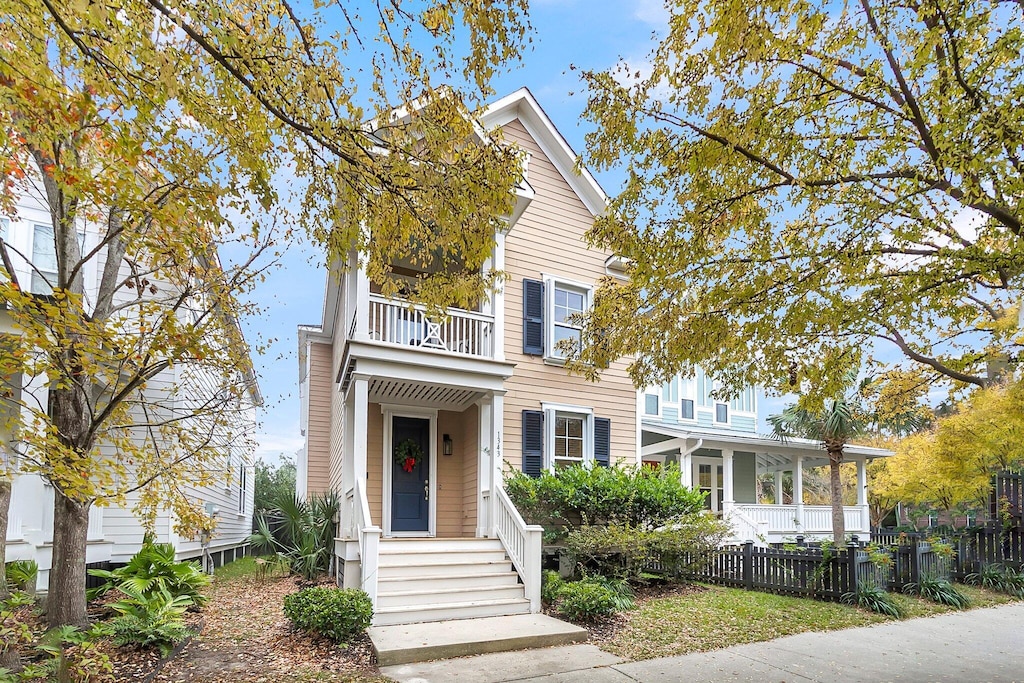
746, 529
369, 541
522, 542
395, 321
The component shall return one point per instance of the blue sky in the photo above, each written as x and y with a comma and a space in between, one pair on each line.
590, 35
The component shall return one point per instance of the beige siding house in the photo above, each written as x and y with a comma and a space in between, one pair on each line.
412, 421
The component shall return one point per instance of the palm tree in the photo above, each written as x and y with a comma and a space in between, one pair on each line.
837, 422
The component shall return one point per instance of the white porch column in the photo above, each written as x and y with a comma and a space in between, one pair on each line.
484, 469
728, 495
362, 311
862, 495
798, 491
497, 457
686, 467
359, 395
778, 487
498, 310
348, 481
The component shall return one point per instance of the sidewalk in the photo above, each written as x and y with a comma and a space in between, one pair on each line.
978, 645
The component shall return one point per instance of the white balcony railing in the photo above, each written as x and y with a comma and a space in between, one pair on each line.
463, 332
522, 543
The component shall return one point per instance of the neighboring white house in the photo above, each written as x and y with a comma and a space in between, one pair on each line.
115, 534
716, 444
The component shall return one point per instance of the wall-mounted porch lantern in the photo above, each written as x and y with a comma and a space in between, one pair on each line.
446, 445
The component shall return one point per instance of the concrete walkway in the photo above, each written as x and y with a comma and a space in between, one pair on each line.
978, 645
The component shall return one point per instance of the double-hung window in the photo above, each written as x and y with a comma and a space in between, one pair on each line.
570, 435
567, 303
551, 314
243, 487
652, 402
44, 260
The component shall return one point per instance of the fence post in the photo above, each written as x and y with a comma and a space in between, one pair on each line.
851, 562
915, 564
748, 565
800, 541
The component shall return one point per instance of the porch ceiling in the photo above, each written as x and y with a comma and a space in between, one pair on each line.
405, 392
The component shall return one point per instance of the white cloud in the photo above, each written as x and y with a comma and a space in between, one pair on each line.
651, 12
269, 445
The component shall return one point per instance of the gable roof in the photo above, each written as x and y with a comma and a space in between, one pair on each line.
523, 105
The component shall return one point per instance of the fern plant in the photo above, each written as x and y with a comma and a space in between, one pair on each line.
153, 618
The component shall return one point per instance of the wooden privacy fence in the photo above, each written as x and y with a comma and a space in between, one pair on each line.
983, 547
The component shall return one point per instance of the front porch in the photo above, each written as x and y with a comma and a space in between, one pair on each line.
727, 468
425, 528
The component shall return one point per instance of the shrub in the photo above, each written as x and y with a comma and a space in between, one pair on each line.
940, 591
150, 618
601, 496
21, 575
622, 593
152, 570
873, 598
626, 552
305, 535
586, 600
550, 586
999, 578
335, 613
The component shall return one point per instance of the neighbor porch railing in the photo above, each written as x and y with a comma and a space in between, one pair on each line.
746, 528
522, 543
794, 519
369, 540
463, 332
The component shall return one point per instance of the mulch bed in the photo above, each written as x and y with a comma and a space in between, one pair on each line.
247, 638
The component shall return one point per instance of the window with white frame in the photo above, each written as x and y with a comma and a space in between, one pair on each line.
687, 389
44, 260
567, 302
652, 402
570, 438
243, 487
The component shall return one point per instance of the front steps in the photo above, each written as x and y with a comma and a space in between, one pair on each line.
429, 580
409, 643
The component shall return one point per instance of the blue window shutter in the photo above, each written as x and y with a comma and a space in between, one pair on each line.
602, 441
533, 317
533, 442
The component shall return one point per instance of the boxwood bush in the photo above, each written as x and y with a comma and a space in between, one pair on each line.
335, 613
586, 600
600, 496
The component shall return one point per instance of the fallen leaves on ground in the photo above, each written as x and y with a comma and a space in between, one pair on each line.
247, 638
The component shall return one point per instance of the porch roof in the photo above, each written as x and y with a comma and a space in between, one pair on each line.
771, 452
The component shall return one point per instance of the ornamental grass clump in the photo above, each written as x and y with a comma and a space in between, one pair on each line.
940, 591
999, 578
871, 597
335, 613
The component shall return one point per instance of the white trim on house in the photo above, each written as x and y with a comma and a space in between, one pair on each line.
551, 412
390, 412
521, 104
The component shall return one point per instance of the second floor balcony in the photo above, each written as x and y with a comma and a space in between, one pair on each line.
461, 332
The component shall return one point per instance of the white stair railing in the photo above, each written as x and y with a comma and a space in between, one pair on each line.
522, 543
369, 541
746, 529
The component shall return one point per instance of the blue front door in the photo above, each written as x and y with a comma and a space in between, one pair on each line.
410, 490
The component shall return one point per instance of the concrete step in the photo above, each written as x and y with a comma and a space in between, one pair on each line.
413, 614
452, 566
432, 556
400, 598
401, 545
407, 643
469, 580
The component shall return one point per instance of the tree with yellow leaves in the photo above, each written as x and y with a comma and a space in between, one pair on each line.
950, 465
163, 128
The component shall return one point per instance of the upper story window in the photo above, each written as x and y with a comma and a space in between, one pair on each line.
652, 403
243, 487
676, 394
550, 315
44, 260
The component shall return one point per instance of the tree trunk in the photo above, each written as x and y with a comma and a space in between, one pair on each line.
5, 506
65, 603
835, 459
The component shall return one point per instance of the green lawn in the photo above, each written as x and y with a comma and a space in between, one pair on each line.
720, 617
